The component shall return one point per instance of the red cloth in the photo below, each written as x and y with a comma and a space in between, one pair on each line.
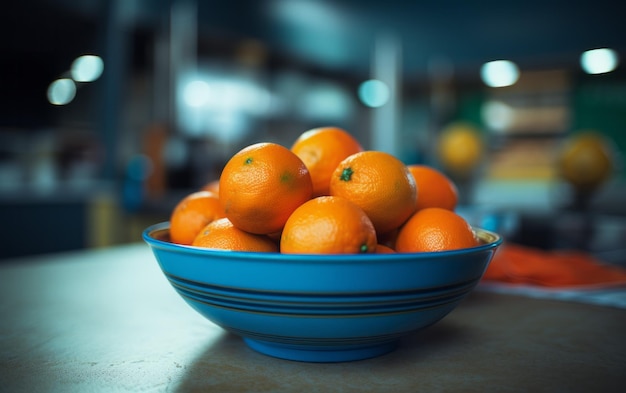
525, 265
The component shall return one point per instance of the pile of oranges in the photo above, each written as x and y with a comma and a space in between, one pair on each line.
324, 195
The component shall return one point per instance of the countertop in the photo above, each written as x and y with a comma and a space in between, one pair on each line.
107, 320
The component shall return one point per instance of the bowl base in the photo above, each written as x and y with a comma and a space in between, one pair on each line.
320, 355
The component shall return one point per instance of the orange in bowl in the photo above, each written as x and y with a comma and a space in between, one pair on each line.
328, 225
261, 185
321, 150
223, 235
434, 188
435, 229
380, 184
192, 213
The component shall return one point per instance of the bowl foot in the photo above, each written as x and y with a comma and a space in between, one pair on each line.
320, 355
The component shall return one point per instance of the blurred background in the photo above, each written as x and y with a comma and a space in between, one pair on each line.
112, 111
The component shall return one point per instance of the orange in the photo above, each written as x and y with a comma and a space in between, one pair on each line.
192, 213
460, 148
223, 235
328, 225
434, 189
382, 249
261, 185
435, 229
321, 150
380, 184
586, 160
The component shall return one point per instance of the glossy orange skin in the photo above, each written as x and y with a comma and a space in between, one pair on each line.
380, 184
434, 188
192, 213
321, 150
435, 229
261, 185
328, 225
222, 235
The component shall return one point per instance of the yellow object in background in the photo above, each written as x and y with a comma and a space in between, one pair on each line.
586, 160
460, 148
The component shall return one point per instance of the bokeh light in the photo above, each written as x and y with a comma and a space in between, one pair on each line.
196, 93
87, 68
599, 61
499, 73
498, 115
374, 93
61, 91
325, 102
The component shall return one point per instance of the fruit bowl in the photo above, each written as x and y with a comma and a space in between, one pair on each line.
321, 308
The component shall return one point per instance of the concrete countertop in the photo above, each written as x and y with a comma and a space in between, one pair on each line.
107, 320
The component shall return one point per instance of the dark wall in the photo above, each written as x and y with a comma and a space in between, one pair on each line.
29, 228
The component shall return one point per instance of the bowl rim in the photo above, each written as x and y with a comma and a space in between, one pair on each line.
491, 241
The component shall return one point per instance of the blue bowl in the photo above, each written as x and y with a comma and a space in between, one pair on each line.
321, 308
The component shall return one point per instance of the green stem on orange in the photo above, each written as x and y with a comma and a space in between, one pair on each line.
346, 174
